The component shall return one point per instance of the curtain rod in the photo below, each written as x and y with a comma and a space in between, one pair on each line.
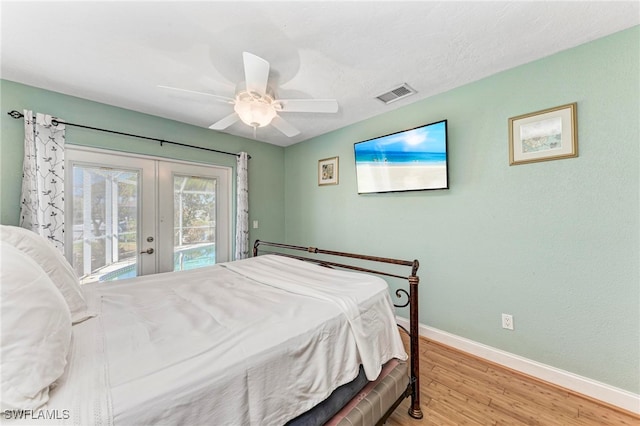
16, 114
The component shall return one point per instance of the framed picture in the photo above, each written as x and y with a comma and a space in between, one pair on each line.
544, 135
328, 171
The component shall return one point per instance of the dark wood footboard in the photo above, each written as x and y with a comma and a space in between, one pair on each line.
325, 259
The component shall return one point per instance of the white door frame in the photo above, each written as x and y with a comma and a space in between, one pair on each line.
166, 172
147, 197
154, 172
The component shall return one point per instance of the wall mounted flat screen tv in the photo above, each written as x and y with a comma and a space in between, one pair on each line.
410, 160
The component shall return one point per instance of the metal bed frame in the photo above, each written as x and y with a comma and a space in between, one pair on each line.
413, 388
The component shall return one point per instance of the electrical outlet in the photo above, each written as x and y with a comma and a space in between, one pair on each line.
255, 224
507, 321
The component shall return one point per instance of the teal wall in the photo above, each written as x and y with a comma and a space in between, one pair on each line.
266, 167
555, 244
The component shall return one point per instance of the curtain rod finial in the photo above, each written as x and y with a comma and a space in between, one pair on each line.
15, 114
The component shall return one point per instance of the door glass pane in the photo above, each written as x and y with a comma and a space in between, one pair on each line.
194, 222
105, 216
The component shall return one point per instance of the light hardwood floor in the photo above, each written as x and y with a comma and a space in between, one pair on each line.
461, 389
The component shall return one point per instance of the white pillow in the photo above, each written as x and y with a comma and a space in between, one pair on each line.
53, 263
36, 331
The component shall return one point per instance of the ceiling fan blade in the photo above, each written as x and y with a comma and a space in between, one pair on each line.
256, 73
308, 105
284, 127
216, 97
225, 122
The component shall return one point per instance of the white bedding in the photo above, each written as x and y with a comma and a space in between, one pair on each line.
257, 341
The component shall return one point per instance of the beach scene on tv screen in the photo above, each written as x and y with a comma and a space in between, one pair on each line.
407, 161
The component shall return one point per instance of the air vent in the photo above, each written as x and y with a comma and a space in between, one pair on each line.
396, 94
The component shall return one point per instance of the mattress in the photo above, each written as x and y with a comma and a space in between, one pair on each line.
253, 342
376, 398
324, 411
360, 402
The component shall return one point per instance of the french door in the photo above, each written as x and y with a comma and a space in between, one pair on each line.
130, 215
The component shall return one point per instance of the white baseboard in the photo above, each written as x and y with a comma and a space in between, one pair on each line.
583, 385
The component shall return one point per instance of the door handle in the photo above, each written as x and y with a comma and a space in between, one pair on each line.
150, 250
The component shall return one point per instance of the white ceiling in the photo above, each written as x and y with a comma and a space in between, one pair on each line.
118, 53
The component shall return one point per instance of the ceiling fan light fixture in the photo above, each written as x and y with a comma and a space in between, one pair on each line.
255, 103
255, 111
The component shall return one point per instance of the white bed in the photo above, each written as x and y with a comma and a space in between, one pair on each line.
251, 342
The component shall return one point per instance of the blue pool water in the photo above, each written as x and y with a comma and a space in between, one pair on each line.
183, 260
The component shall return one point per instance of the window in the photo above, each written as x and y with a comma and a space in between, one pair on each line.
135, 215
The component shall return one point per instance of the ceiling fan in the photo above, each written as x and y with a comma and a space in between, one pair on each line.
256, 105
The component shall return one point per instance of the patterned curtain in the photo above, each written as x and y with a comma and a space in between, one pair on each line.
42, 203
242, 207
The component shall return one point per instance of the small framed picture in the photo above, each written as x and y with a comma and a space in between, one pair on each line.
544, 135
328, 171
